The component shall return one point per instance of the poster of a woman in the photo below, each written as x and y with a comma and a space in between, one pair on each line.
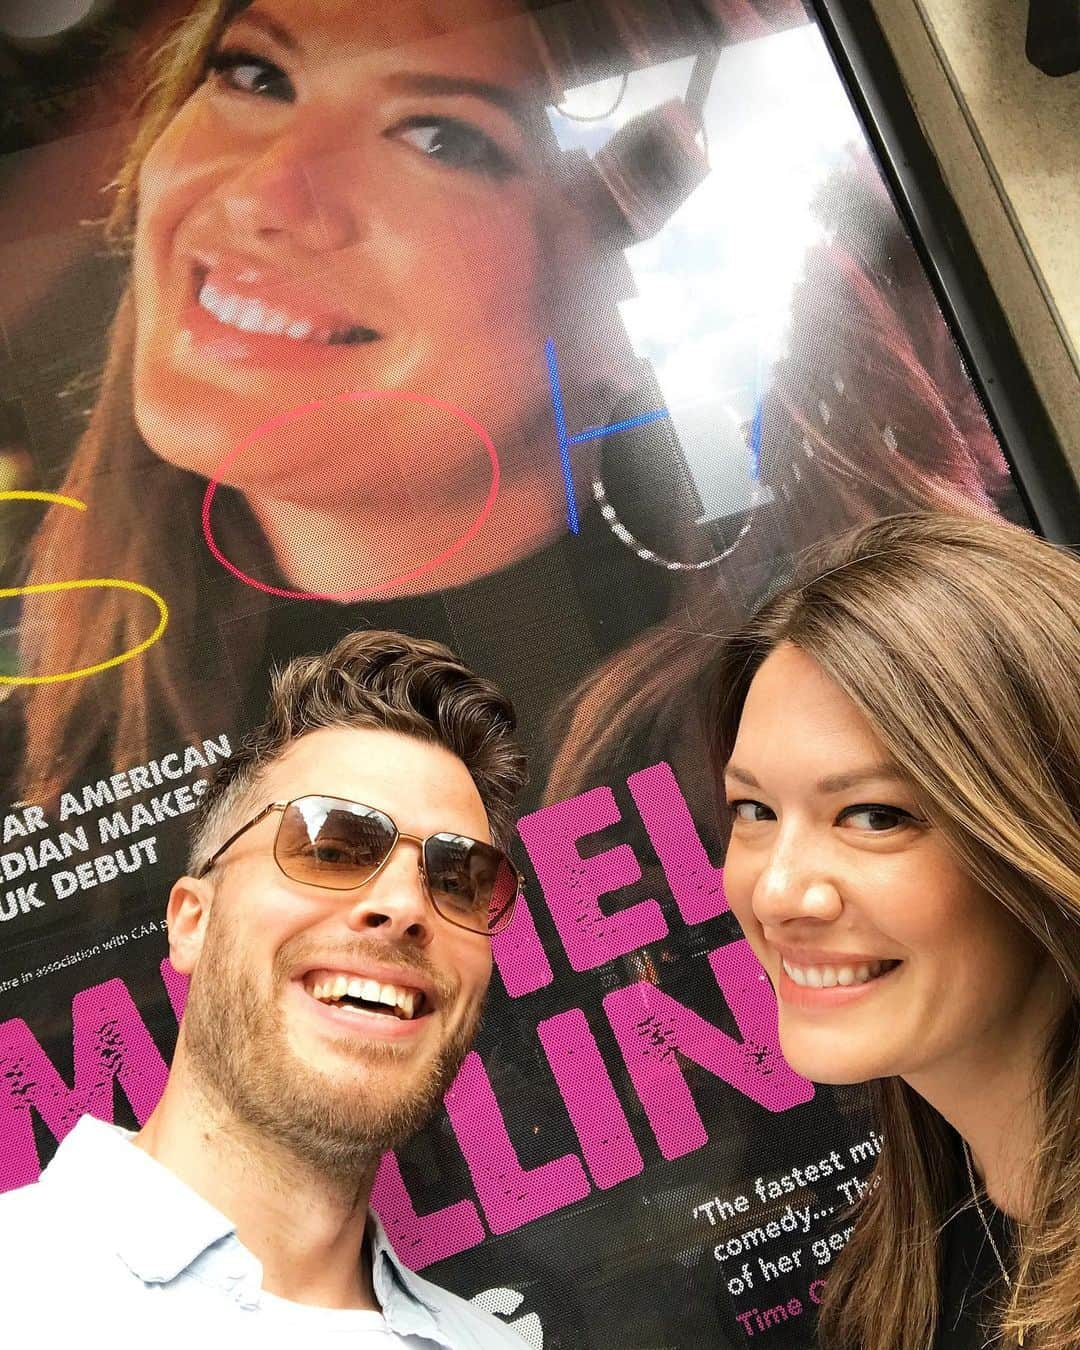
438, 318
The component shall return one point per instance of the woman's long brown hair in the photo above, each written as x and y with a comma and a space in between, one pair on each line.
959, 641
904, 429
131, 529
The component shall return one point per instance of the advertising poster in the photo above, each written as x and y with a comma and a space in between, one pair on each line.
552, 331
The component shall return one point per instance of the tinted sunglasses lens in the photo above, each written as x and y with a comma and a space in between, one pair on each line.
472, 884
324, 841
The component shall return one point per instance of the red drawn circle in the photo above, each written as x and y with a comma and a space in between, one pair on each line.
353, 396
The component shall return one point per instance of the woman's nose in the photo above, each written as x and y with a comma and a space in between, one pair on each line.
294, 193
796, 882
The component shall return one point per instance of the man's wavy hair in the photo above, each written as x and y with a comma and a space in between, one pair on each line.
389, 682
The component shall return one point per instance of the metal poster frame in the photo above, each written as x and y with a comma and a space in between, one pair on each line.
990, 350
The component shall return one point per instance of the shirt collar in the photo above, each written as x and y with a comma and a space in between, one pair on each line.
160, 1226
157, 1223
404, 1297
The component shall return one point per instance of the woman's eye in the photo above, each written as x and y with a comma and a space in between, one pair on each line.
456, 144
876, 819
750, 812
250, 74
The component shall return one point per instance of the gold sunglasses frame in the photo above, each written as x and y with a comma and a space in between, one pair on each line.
500, 924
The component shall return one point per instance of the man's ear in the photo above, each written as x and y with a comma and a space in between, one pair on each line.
187, 915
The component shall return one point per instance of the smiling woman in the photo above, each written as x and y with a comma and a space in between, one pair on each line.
904, 858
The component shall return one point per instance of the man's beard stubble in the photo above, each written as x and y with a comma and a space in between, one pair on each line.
240, 1055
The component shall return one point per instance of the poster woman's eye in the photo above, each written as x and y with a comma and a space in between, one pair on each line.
458, 145
247, 73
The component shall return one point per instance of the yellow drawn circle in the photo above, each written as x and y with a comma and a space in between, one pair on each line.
26, 495
83, 584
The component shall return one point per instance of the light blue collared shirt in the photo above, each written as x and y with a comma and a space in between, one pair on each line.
110, 1246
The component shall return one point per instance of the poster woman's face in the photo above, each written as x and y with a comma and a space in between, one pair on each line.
886, 957
353, 201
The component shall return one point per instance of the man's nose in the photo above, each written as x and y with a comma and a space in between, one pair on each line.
297, 191
395, 901
797, 881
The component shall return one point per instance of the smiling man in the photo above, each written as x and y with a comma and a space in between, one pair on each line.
336, 925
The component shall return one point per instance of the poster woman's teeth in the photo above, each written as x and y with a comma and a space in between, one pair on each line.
348, 992
248, 315
828, 977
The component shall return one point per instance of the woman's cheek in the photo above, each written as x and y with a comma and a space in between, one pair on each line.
479, 265
474, 306
163, 167
739, 888
181, 169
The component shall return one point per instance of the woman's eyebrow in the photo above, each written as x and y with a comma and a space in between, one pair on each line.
435, 84
741, 775
254, 19
837, 782
842, 782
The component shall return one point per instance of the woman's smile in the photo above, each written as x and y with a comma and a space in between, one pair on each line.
835, 984
240, 310
252, 300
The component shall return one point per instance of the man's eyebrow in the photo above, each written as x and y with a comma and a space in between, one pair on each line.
447, 86
254, 19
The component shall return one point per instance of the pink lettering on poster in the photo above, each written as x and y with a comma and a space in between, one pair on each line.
653, 1029
111, 1043
509, 1194
595, 1113
698, 886
573, 885
520, 954
422, 1239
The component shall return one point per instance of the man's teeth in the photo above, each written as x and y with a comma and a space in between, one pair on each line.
828, 977
403, 1002
252, 316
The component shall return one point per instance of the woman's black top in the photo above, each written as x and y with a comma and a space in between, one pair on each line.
972, 1287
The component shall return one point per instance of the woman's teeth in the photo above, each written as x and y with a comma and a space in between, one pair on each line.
828, 977
249, 315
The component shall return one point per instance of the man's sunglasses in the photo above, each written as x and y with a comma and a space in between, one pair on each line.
340, 845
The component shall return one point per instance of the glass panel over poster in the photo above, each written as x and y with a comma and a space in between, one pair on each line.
551, 331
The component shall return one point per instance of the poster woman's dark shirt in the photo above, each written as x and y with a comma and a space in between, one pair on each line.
578, 600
